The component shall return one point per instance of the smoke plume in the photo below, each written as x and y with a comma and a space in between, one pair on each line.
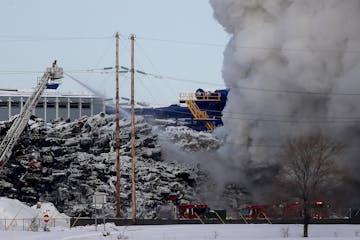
292, 67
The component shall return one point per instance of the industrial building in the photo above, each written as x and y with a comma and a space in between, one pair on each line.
200, 111
52, 104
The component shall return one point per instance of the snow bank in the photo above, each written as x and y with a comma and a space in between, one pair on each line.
193, 232
15, 215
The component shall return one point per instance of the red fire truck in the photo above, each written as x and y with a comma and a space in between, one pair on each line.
192, 211
293, 210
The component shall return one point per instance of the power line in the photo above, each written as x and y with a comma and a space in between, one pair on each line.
159, 76
255, 88
34, 38
261, 48
105, 52
28, 38
152, 64
183, 42
78, 71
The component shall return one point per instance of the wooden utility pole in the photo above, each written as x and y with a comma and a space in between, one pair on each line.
133, 176
117, 130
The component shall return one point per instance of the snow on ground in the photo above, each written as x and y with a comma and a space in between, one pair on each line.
14, 230
191, 232
15, 215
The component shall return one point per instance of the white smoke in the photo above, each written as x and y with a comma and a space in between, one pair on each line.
278, 50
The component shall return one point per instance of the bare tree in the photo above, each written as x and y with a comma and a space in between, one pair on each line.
307, 168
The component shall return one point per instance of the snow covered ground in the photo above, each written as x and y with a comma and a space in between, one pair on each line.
191, 232
15, 215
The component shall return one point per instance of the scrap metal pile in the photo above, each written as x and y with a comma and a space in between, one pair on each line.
66, 162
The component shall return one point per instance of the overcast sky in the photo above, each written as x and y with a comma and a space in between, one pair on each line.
79, 34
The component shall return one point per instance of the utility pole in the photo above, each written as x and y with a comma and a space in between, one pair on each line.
117, 130
133, 176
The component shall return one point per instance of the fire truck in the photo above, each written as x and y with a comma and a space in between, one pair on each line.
257, 211
192, 211
200, 211
292, 210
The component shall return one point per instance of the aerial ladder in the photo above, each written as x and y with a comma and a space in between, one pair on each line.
190, 100
19, 124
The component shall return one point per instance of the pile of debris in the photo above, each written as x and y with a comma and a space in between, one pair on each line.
191, 140
66, 162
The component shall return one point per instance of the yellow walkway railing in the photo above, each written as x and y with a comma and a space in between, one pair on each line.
197, 215
212, 97
243, 218
76, 220
198, 114
266, 217
218, 216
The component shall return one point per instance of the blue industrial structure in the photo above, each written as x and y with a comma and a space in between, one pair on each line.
210, 103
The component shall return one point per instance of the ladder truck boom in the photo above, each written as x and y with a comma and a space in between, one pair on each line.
13, 134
